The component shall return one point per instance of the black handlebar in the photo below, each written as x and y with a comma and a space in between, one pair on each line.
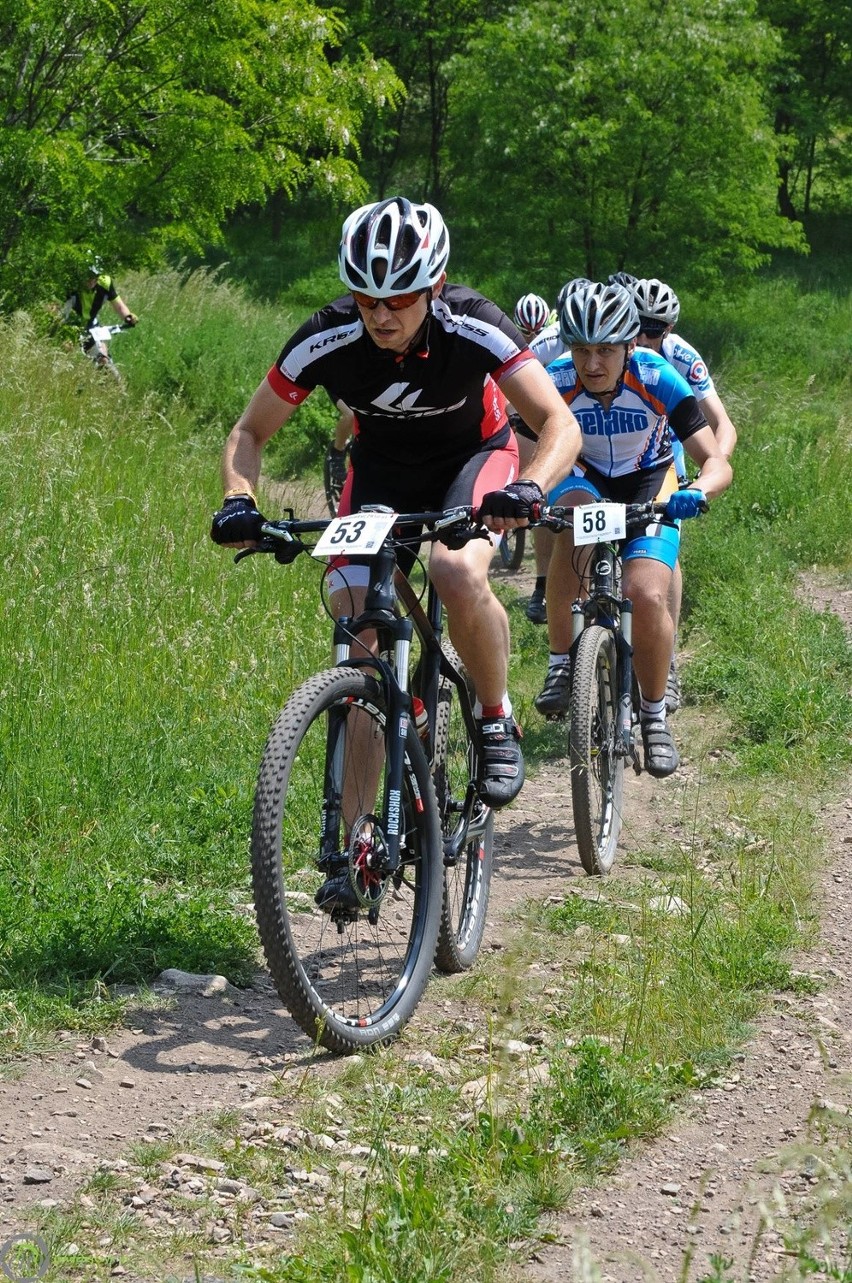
283, 536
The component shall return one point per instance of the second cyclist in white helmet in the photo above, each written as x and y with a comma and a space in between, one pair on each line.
625, 399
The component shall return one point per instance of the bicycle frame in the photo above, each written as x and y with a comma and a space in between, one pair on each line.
395, 634
605, 607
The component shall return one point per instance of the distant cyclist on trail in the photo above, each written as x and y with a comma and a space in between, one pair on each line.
626, 399
426, 368
85, 301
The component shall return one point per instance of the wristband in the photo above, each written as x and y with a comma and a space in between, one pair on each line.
239, 494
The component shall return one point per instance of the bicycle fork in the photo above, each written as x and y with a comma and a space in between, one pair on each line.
625, 744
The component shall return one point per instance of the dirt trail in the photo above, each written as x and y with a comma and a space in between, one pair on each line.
88, 1103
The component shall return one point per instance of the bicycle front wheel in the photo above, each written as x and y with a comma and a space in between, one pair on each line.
467, 871
597, 770
511, 547
351, 975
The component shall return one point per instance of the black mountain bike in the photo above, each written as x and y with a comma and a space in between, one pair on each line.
604, 713
370, 772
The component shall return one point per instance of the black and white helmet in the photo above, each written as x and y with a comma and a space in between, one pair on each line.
568, 288
393, 247
531, 313
656, 301
622, 278
598, 314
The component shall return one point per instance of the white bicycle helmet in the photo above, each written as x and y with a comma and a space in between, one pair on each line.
656, 301
531, 313
568, 288
393, 247
598, 314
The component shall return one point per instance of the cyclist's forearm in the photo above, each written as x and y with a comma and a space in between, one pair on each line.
555, 452
241, 462
723, 429
715, 477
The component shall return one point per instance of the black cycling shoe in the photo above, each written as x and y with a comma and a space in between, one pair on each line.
661, 755
536, 610
501, 762
555, 698
337, 892
672, 688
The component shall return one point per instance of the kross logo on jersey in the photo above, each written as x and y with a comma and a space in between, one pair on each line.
395, 402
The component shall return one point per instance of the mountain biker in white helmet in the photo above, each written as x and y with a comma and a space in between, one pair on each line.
426, 368
625, 399
531, 314
659, 309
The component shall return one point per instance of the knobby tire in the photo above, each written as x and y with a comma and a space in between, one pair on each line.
511, 548
350, 984
467, 881
597, 771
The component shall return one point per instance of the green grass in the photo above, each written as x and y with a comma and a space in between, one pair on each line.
140, 673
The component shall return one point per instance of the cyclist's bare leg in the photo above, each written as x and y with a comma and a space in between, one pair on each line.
477, 622
563, 583
676, 595
647, 583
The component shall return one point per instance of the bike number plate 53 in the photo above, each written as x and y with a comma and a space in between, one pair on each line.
360, 533
594, 522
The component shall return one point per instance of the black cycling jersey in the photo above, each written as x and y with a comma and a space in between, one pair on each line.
433, 408
87, 303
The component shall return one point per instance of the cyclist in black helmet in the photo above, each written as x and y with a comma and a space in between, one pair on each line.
426, 368
85, 301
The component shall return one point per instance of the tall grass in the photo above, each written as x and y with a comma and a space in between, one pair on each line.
138, 672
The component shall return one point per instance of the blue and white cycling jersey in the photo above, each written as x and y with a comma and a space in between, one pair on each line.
633, 434
548, 344
688, 362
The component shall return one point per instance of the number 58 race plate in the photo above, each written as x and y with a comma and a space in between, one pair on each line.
596, 521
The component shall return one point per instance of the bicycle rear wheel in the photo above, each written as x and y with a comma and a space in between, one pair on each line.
597, 771
467, 875
511, 548
352, 977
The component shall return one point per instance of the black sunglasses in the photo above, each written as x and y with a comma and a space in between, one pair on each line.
653, 329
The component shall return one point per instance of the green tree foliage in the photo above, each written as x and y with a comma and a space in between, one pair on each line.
140, 125
812, 93
405, 150
618, 136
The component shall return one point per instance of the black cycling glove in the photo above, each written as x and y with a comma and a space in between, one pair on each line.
237, 521
521, 499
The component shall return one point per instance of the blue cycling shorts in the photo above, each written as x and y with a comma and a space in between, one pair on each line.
661, 540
